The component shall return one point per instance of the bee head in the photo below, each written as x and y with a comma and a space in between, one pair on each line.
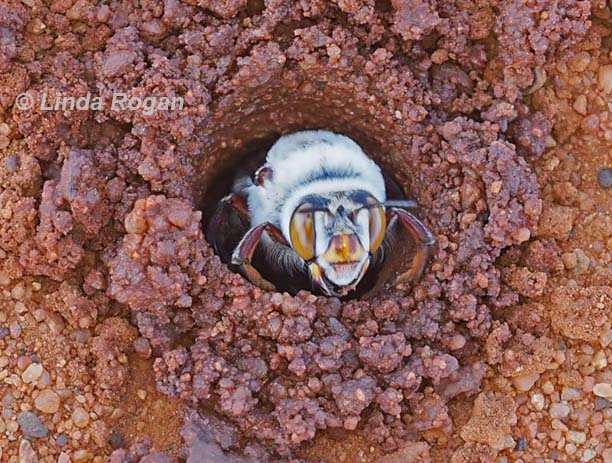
336, 234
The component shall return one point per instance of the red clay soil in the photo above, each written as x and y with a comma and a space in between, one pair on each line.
123, 338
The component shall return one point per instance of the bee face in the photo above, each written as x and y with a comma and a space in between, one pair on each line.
336, 235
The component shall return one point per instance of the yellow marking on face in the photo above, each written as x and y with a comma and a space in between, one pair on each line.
344, 248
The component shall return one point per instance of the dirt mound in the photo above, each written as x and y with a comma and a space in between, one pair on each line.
104, 210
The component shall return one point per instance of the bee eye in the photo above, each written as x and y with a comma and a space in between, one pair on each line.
378, 225
302, 233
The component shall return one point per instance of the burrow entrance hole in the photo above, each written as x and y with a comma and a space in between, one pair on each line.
246, 126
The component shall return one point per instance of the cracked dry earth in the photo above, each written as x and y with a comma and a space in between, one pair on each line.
123, 338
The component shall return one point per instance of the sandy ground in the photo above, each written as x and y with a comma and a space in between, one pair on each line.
124, 339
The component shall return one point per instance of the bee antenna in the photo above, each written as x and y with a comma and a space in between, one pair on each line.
400, 204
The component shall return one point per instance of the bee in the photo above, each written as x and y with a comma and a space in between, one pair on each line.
316, 216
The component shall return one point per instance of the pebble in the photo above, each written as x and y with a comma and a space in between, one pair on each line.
580, 105
607, 455
599, 360
63, 458
522, 235
605, 78
12, 426
55, 322
559, 411
31, 425
4, 278
588, 382
15, 330
81, 336
570, 393
80, 417
80, 456
603, 390
32, 373
142, 346
351, 423
23, 362
601, 403
457, 342
20, 308
569, 260
526, 382
588, 455
62, 440
18, 292
605, 177
47, 401
582, 261
577, 437
606, 338
537, 400
26, 452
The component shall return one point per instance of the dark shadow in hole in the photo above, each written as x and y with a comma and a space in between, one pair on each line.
255, 7
384, 6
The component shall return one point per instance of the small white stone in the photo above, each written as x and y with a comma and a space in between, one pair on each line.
20, 308
599, 360
603, 390
606, 338
558, 425
588, 455
580, 105
47, 401
570, 393
32, 373
576, 437
537, 400
80, 417
559, 411
526, 382
26, 452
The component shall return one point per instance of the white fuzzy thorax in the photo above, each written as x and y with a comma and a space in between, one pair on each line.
294, 158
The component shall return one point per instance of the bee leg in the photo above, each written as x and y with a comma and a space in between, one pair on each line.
425, 242
216, 230
243, 254
233, 202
